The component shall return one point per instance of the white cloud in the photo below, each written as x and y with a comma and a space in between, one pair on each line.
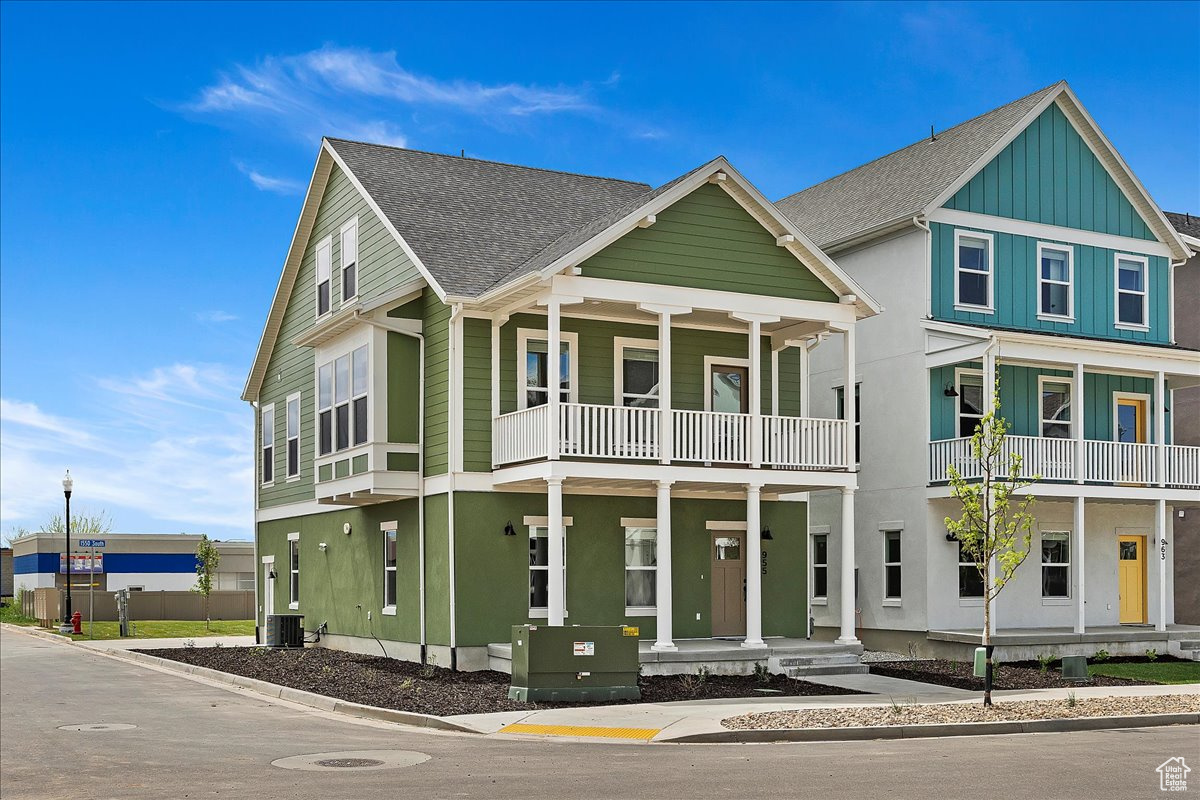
216, 315
168, 451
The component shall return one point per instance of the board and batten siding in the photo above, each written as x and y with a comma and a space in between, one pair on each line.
1048, 174
1015, 288
707, 241
382, 265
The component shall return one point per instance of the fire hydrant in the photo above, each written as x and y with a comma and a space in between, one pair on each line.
77, 622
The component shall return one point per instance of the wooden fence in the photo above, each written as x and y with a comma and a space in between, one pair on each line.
45, 605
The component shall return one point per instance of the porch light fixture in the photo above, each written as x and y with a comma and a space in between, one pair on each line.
950, 537
950, 391
271, 575
766, 534
509, 530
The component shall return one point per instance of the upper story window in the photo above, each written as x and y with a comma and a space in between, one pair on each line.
1056, 409
342, 394
267, 423
973, 271
1132, 297
324, 271
637, 372
293, 435
350, 259
970, 403
535, 365
839, 402
1055, 282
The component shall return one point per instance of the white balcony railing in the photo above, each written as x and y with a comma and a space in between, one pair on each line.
1054, 460
706, 437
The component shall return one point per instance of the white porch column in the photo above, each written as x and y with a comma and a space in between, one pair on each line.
804, 358
553, 376
1160, 428
775, 351
664, 639
666, 446
849, 408
847, 593
1160, 552
556, 603
756, 437
1078, 566
1077, 405
497, 324
753, 567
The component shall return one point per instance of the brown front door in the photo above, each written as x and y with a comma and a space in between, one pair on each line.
728, 583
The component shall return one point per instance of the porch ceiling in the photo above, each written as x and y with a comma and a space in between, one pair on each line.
702, 318
646, 488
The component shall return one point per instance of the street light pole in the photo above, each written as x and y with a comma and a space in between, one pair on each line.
67, 485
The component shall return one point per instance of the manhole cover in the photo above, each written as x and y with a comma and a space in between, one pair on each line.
353, 759
98, 727
349, 762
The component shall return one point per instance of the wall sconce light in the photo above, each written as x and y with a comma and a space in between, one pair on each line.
950, 537
509, 530
766, 534
271, 575
950, 391
322, 546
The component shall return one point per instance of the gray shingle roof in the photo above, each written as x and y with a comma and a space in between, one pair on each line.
475, 223
1187, 224
904, 183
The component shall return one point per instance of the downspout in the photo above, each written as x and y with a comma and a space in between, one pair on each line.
358, 316
924, 225
455, 443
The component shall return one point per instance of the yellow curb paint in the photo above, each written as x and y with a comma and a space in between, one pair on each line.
644, 734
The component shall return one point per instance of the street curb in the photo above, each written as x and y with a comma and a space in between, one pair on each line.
933, 731
36, 632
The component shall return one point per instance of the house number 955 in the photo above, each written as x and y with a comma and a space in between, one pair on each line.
764, 562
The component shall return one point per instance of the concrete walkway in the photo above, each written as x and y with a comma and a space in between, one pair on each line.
163, 644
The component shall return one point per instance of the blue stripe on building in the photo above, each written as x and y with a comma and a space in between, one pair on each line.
31, 563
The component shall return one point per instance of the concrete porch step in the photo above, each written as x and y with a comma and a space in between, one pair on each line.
827, 669
819, 660
1189, 644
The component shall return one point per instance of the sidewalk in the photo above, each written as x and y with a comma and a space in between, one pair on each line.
164, 644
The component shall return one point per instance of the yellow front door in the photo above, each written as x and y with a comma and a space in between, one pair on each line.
1131, 578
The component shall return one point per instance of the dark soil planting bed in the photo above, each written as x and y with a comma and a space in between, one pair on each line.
1014, 675
405, 686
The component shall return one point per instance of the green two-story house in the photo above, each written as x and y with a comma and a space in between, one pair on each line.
490, 395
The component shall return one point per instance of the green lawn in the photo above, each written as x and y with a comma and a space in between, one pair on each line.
1156, 671
171, 629
11, 614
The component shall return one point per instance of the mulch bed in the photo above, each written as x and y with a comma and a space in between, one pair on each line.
1014, 675
405, 686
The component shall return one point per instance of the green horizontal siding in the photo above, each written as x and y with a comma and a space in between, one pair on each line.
1048, 174
707, 241
436, 328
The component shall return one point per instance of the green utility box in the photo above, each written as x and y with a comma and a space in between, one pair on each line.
980, 662
577, 662
1074, 668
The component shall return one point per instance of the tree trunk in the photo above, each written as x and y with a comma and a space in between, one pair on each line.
987, 649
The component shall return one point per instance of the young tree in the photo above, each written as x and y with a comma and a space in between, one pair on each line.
85, 524
995, 527
207, 560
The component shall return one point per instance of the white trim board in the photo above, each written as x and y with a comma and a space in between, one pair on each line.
1050, 233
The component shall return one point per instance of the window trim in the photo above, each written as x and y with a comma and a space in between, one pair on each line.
959, 372
1118, 257
718, 361
1042, 314
989, 239
571, 339
540, 523
326, 246
840, 391
1053, 600
886, 529
813, 533
351, 224
620, 343
390, 530
331, 362
293, 540
289, 437
967, 600
1042, 421
263, 446
641, 524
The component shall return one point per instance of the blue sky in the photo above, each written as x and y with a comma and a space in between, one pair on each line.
154, 156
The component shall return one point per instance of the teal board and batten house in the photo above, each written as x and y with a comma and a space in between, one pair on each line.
489, 395
1046, 267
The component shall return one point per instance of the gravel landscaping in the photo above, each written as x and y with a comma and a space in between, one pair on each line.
404, 686
1016, 675
901, 714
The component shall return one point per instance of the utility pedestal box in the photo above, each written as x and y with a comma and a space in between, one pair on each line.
579, 662
1074, 668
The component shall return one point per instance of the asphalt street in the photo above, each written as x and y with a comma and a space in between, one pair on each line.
196, 740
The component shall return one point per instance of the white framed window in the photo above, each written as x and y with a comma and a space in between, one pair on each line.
389, 569
267, 423
324, 275
293, 436
891, 568
533, 367
1056, 282
1056, 564
635, 365
342, 401
970, 582
839, 407
820, 567
539, 569
1132, 297
1055, 404
970, 410
349, 260
641, 569
973, 271
293, 570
